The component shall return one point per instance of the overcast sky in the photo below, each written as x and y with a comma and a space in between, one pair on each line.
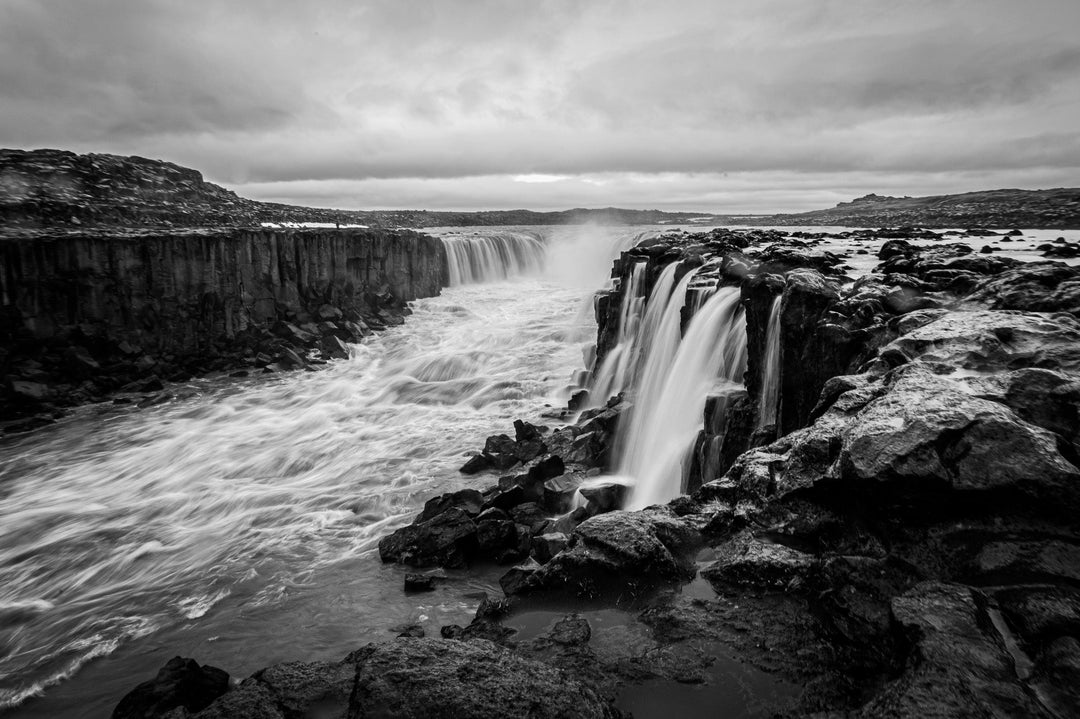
719, 105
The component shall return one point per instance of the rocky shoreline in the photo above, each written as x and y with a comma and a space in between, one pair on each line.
127, 316
902, 540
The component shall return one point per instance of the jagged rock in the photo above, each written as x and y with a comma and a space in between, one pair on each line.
928, 429
469, 501
986, 340
478, 463
559, 492
604, 497
181, 682
495, 536
444, 540
617, 550
744, 560
508, 498
546, 546
1031, 287
958, 669
518, 577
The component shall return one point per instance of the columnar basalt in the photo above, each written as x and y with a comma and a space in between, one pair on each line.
85, 314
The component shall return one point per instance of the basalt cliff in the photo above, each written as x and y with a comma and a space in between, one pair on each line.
90, 315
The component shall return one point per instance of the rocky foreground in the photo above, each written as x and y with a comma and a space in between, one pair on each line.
901, 541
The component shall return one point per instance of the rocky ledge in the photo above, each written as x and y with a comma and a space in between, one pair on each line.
126, 315
902, 540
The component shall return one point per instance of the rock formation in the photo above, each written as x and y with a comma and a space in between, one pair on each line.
87, 315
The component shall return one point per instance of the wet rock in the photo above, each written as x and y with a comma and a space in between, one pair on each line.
1031, 287
571, 630
478, 463
302, 689
605, 497
444, 540
929, 429
495, 536
531, 515
958, 668
613, 551
559, 492
744, 560
422, 582
476, 679
517, 579
410, 630
249, 700
469, 501
546, 546
181, 682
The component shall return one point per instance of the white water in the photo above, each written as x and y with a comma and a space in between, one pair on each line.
667, 412
616, 370
770, 369
488, 256
239, 525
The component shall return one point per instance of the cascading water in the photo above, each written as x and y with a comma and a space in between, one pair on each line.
770, 369
611, 377
238, 525
492, 255
670, 401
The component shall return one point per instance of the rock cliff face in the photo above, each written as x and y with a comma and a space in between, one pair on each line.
86, 314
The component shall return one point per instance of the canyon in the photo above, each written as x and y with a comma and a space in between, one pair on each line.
545, 471
873, 512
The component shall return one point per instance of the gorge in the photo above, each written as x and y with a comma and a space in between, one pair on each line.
848, 484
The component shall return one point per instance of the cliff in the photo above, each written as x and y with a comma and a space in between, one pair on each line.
87, 314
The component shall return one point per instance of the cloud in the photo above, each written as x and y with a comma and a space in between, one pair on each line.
386, 94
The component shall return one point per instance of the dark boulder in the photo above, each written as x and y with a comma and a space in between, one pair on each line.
444, 540
180, 683
619, 550
413, 678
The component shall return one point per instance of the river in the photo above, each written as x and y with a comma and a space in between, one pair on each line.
238, 525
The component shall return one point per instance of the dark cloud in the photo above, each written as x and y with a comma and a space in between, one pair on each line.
381, 94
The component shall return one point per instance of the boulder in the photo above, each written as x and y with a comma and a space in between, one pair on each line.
181, 682
1031, 287
444, 540
619, 550
747, 561
412, 678
301, 689
959, 665
604, 496
469, 501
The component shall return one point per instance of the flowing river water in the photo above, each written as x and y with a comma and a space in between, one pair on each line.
238, 525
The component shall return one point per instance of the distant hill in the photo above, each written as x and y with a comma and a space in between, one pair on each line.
55, 189
52, 189
1059, 209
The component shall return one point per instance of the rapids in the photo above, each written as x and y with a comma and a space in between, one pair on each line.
238, 525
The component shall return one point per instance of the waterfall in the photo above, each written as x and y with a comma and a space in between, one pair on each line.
492, 256
670, 401
770, 369
611, 376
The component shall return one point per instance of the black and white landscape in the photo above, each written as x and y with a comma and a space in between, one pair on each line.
550, 359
